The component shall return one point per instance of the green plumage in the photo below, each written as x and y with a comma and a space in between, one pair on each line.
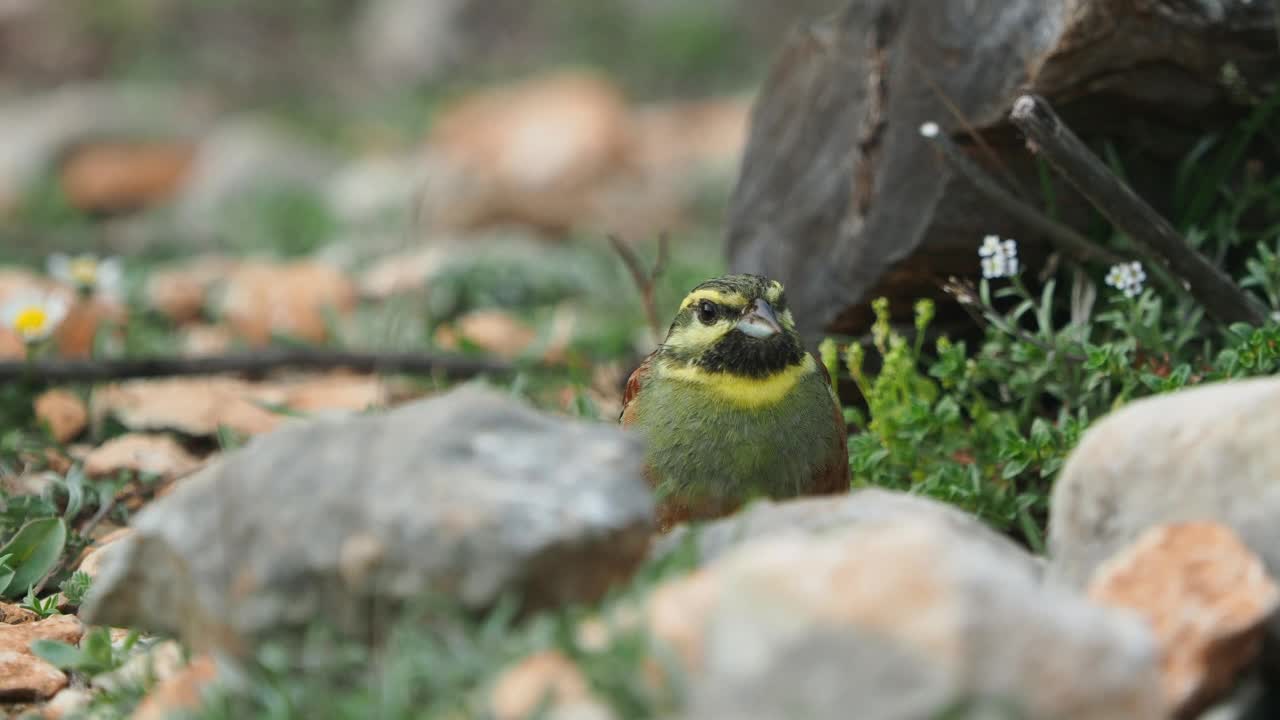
733, 408
706, 451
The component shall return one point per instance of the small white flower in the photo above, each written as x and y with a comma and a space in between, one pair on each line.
34, 316
1139, 275
87, 273
1128, 278
1118, 276
999, 257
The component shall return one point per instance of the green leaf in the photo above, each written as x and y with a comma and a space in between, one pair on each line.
35, 548
74, 483
58, 654
1014, 468
6, 572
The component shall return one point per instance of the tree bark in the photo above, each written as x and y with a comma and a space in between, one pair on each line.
840, 197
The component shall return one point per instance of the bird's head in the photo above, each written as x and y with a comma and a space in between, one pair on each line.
736, 325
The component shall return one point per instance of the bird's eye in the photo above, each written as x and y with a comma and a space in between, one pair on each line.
707, 312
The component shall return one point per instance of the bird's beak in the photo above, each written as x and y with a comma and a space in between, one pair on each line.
760, 322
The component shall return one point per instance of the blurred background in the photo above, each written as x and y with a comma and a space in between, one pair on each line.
438, 172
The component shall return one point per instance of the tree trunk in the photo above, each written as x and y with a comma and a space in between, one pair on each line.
840, 197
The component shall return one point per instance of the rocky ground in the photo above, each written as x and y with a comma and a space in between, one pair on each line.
1056, 521
1153, 602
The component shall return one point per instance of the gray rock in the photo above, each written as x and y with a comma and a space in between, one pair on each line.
897, 618
405, 42
818, 515
829, 675
244, 155
1206, 453
467, 495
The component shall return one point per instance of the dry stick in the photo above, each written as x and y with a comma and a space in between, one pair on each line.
64, 370
1275, 11
1148, 230
967, 298
967, 126
1067, 239
645, 280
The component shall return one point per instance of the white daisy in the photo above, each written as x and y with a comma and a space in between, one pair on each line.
34, 316
1128, 278
87, 273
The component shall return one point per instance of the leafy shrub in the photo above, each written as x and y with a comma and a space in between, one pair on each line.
988, 429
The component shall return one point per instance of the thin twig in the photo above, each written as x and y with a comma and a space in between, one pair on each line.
1066, 238
645, 280
967, 298
1275, 12
1150, 232
967, 126
255, 363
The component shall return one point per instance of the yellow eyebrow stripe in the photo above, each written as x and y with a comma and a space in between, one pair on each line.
712, 294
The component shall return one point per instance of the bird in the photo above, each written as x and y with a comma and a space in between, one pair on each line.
732, 407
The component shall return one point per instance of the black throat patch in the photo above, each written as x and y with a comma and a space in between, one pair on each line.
738, 354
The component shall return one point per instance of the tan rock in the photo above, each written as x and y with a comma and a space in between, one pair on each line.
66, 628
821, 515
91, 561
181, 691
675, 139
548, 677
262, 299
493, 331
206, 340
530, 152
181, 291
335, 391
195, 406
899, 617
24, 676
1207, 597
63, 412
140, 453
175, 296
1201, 453
114, 176
198, 406
12, 614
